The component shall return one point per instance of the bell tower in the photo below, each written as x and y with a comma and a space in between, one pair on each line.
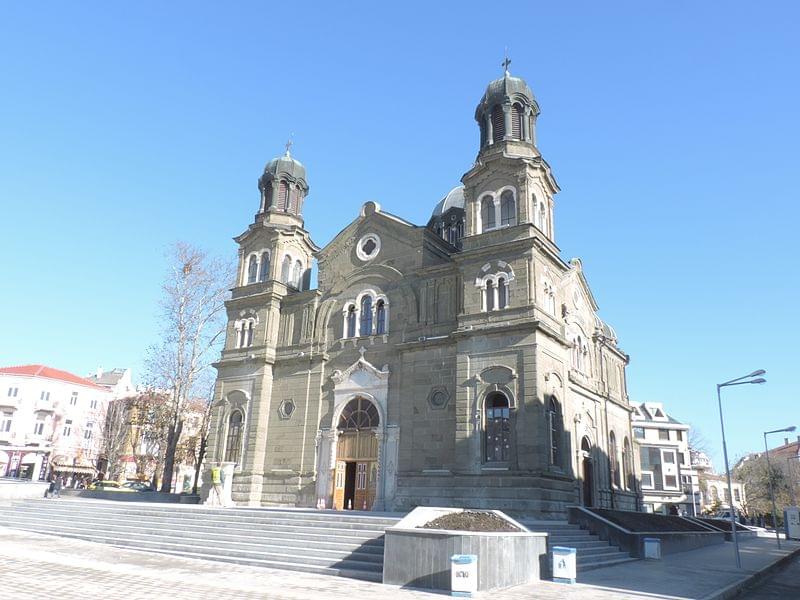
510, 183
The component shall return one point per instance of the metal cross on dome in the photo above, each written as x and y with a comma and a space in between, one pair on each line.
289, 143
506, 62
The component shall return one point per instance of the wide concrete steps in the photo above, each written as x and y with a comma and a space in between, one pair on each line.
591, 551
335, 543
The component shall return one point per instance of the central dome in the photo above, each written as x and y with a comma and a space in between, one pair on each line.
453, 199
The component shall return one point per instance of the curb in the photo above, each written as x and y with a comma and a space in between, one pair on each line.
734, 589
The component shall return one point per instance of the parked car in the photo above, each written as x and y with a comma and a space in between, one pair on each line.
109, 486
138, 486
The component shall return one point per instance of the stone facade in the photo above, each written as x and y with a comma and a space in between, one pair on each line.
461, 363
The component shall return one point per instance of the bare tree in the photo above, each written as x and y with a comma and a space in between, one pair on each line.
193, 323
115, 435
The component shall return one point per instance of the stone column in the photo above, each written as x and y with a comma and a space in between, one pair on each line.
507, 120
489, 129
326, 462
379, 503
526, 131
389, 467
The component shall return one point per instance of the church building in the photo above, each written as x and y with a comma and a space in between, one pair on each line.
457, 363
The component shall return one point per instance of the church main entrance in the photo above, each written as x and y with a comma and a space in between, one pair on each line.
356, 473
587, 472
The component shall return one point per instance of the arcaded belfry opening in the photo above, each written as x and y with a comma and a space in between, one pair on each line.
356, 473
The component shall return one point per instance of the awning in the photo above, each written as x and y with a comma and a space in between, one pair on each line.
81, 469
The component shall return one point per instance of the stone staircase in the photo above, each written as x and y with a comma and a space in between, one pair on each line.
348, 544
592, 552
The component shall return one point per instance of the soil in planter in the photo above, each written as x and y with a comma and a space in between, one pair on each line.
470, 520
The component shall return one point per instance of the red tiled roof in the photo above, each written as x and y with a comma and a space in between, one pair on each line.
49, 373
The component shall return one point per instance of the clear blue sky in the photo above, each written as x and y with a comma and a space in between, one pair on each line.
672, 128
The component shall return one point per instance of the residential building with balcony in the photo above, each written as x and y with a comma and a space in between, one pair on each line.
667, 475
50, 420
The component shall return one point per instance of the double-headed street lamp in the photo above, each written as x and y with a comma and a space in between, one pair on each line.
738, 381
771, 487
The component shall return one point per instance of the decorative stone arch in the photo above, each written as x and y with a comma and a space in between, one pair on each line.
360, 380
587, 469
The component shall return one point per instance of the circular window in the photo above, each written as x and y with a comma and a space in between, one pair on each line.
286, 409
439, 399
368, 247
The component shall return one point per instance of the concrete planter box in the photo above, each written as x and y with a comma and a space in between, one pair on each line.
420, 558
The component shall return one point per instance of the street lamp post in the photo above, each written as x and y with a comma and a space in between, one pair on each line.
771, 487
737, 381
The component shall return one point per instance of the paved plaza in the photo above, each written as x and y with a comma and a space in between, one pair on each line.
34, 566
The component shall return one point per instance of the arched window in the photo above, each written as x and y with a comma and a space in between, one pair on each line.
626, 464
498, 124
351, 321
502, 293
489, 296
252, 269
487, 213
613, 459
241, 335
283, 195
366, 316
263, 272
233, 444
549, 297
286, 267
497, 427
297, 274
359, 414
380, 317
554, 426
459, 230
451, 235
251, 327
577, 353
542, 218
508, 208
516, 121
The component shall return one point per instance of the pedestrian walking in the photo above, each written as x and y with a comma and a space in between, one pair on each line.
57, 487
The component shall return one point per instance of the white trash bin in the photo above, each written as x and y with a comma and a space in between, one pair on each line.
652, 548
463, 575
564, 566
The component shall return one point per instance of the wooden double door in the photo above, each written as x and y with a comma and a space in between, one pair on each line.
356, 474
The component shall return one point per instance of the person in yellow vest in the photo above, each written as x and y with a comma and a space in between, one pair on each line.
216, 484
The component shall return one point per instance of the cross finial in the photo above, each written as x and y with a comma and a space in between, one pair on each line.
506, 62
362, 351
289, 144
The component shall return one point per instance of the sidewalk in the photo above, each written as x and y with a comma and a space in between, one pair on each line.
34, 566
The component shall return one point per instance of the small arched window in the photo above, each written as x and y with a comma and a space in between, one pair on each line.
366, 316
487, 213
549, 297
283, 195
498, 124
555, 427
380, 317
613, 459
497, 421
452, 236
577, 353
516, 121
286, 267
459, 230
252, 269
489, 296
241, 335
263, 272
627, 473
233, 444
508, 208
297, 274
542, 218
502, 293
351, 321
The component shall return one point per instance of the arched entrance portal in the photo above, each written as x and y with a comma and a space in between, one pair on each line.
356, 471
587, 472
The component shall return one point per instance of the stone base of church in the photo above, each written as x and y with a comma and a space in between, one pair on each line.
538, 496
